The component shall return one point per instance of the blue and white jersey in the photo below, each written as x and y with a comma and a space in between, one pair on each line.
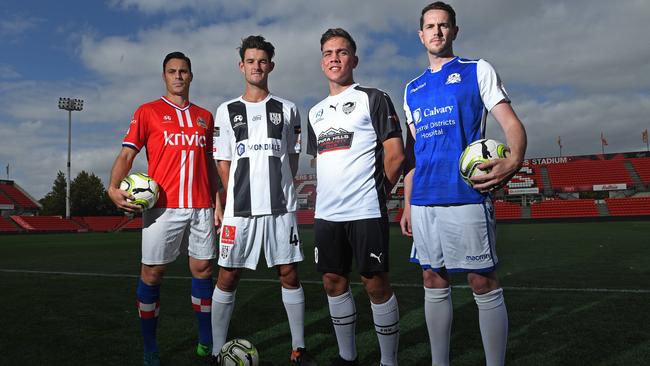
446, 107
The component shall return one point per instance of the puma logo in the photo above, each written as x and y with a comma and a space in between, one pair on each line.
377, 257
334, 106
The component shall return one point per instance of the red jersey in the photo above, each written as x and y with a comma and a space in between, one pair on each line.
179, 149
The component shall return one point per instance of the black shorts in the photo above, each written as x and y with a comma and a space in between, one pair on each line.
338, 242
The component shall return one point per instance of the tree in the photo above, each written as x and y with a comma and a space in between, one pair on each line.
88, 196
54, 202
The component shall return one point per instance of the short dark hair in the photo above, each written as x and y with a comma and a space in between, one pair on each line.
337, 32
439, 5
256, 42
178, 55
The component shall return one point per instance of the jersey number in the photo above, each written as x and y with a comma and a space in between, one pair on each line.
293, 238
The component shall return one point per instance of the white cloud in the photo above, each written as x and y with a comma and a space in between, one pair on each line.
573, 69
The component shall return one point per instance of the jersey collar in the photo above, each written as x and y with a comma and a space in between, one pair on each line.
445, 65
174, 105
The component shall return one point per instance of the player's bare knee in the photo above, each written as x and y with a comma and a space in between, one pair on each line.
431, 279
228, 279
152, 275
335, 284
201, 268
377, 287
288, 275
482, 283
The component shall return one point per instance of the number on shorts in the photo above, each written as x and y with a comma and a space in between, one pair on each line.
293, 238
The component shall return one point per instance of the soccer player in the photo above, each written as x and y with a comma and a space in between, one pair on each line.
178, 138
256, 145
453, 224
355, 136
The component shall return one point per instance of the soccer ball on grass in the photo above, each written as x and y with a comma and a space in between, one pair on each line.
238, 352
478, 152
142, 188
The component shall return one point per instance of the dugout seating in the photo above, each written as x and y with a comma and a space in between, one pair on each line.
507, 210
101, 223
6, 226
630, 206
586, 173
17, 196
564, 208
305, 217
642, 168
46, 223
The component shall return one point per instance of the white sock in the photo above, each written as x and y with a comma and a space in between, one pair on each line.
294, 304
344, 317
438, 312
223, 303
386, 318
493, 321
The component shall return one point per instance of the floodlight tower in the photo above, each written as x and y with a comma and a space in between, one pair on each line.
69, 105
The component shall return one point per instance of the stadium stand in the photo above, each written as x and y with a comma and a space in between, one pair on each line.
46, 223
101, 223
133, 224
642, 168
564, 208
6, 226
16, 195
305, 217
584, 174
507, 210
630, 206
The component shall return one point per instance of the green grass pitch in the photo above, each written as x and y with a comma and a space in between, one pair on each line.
577, 294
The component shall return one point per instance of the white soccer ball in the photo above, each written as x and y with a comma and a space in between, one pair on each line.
479, 152
238, 352
142, 188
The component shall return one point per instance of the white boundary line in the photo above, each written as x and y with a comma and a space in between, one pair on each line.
311, 282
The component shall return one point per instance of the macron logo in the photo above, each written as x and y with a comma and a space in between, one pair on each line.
182, 139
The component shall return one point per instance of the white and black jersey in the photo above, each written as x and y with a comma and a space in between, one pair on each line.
346, 134
257, 138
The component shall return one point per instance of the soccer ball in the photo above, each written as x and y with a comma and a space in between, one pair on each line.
238, 352
477, 153
143, 189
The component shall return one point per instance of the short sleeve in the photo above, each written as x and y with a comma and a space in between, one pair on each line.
222, 135
311, 139
407, 109
294, 141
383, 116
136, 135
490, 85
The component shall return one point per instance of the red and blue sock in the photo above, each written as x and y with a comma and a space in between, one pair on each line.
148, 304
202, 305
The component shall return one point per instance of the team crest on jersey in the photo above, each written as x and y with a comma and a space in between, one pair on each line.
228, 234
276, 118
201, 122
453, 78
241, 149
348, 107
417, 116
334, 139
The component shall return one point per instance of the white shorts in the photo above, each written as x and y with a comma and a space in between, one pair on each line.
166, 230
242, 238
458, 238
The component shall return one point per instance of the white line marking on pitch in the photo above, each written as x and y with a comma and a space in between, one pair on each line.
311, 282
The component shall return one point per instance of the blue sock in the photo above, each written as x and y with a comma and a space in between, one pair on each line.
202, 305
148, 309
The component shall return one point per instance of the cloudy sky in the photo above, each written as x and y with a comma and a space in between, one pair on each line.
573, 69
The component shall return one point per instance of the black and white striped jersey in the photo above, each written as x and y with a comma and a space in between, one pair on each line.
257, 138
346, 134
